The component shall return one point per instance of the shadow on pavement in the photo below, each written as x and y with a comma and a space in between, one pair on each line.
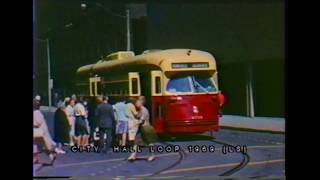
185, 138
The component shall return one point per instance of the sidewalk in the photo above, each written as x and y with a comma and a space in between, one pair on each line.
256, 123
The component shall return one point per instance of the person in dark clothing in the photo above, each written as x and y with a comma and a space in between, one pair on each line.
61, 127
105, 118
113, 130
91, 118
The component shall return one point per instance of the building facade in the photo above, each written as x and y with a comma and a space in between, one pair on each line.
247, 39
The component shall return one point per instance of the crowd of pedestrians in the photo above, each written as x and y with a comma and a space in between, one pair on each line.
79, 122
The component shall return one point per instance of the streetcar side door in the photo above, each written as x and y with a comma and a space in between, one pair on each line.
95, 86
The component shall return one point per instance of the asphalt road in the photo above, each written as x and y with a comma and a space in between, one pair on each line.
266, 158
266, 152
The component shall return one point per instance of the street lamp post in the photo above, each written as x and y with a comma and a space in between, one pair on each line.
50, 81
49, 70
49, 74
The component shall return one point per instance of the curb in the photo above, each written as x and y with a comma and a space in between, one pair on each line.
252, 129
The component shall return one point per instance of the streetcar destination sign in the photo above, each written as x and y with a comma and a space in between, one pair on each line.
189, 65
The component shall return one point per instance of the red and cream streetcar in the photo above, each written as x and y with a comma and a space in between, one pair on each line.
180, 85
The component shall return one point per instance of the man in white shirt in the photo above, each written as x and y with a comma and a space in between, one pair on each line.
122, 121
145, 129
71, 119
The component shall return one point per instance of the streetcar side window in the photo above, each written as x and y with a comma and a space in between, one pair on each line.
92, 88
98, 88
158, 84
134, 85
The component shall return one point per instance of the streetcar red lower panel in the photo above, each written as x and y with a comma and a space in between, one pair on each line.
186, 114
192, 127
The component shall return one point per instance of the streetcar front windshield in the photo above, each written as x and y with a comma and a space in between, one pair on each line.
179, 84
195, 84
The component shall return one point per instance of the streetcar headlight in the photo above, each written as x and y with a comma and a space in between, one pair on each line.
195, 109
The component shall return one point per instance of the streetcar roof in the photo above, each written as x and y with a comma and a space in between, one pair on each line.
161, 58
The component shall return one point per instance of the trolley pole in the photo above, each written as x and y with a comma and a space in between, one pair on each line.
49, 74
84, 6
128, 30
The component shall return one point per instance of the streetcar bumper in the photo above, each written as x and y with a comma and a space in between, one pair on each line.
191, 127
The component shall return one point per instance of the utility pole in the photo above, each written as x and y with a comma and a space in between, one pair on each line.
249, 89
128, 30
50, 81
107, 10
49, 74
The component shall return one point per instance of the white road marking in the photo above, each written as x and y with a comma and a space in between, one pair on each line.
142, 175
160, 155
162, 177
109, 160
90, 162
220, 166
270, 146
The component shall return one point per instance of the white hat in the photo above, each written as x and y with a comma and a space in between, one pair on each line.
74, 97
66, 99
37, 98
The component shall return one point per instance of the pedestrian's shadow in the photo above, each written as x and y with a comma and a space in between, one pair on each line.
139, 159
39, 166
179, 138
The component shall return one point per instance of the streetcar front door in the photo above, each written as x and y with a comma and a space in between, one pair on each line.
145, 79
158, 109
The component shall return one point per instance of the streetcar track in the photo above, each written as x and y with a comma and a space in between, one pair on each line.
245, 160
158, 155
217, 166
182, 155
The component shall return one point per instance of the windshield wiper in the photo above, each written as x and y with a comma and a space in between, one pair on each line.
197, 85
